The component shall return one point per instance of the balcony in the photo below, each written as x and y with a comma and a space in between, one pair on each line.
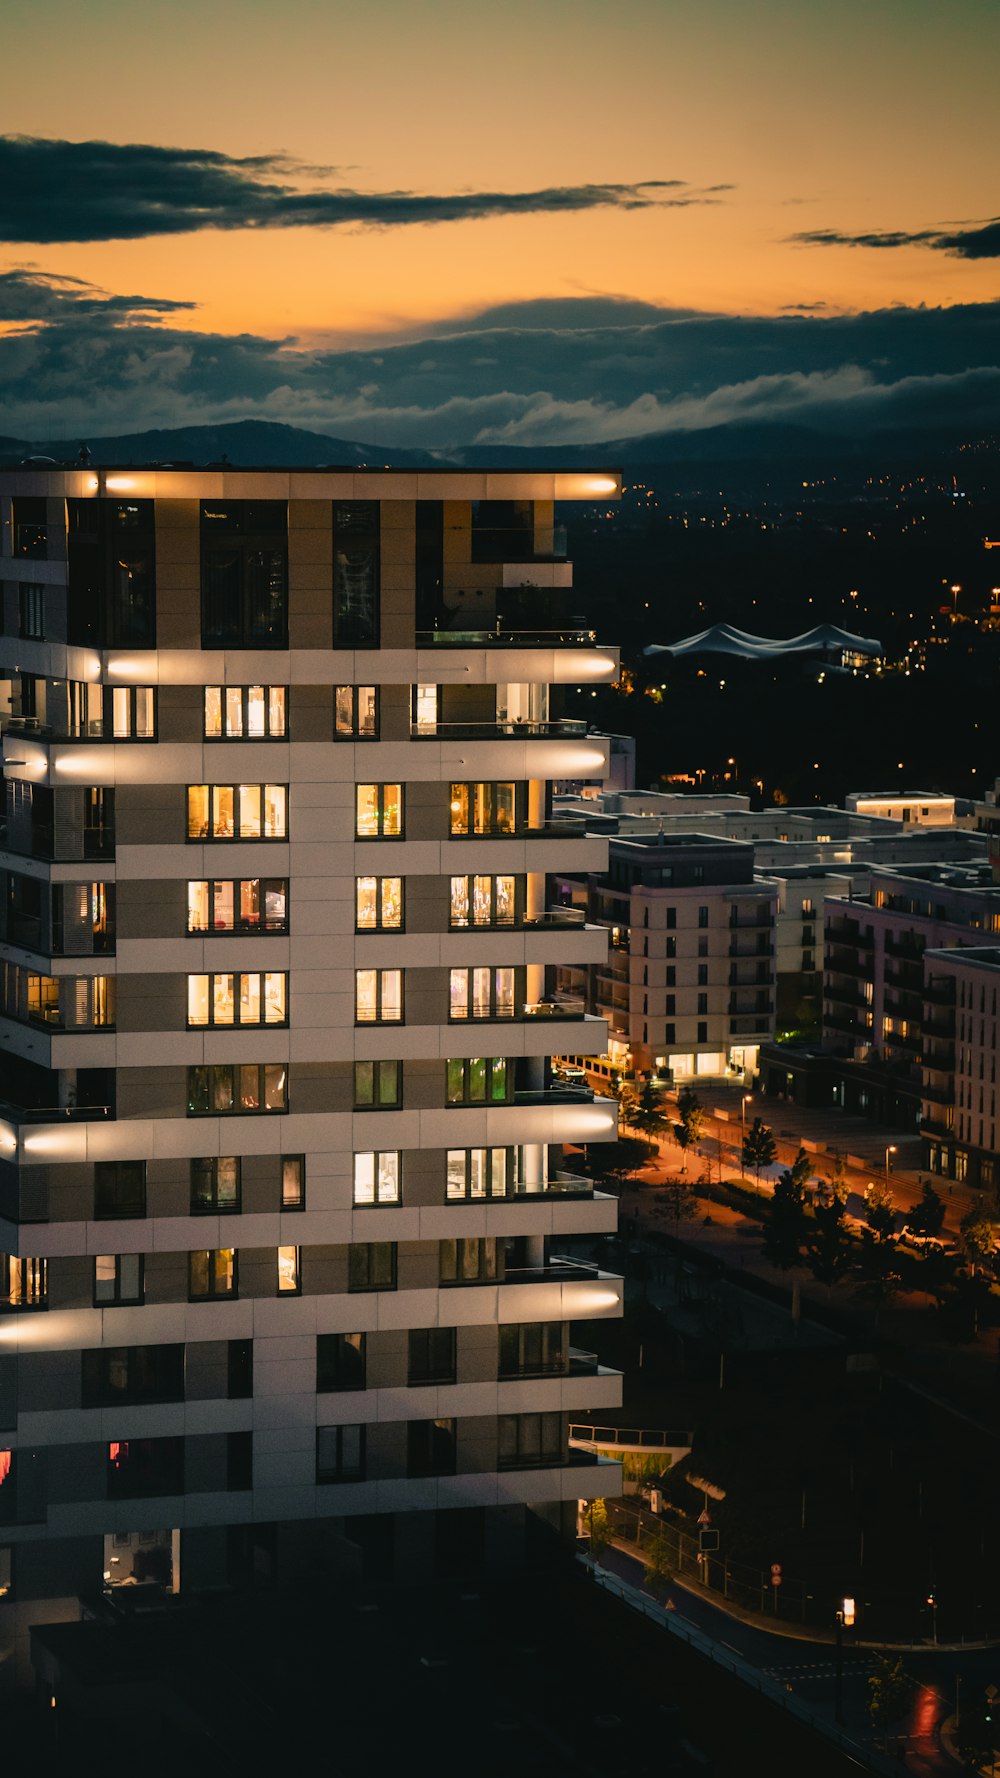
755, 950
556, 1094
905, 948
491, 731
834, 1021
557, 1271
844, 996
846, 932
498, 636
939, 1095
837, 964
940, 993
563, 1185
934, 1126
940, 1058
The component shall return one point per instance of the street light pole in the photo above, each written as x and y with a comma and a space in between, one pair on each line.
838, 1696
890, 1149
746, 1099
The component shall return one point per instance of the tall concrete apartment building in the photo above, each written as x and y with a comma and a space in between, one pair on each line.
283, 1189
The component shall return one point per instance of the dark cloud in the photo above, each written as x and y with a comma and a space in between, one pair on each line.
981, 242
527, 374
104, 191
28, 296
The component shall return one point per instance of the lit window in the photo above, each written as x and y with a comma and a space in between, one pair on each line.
483, 901
486, 808
425, 709
24, 1282
379, 811
477, 1173
468, 1261
479, 1080
355, 712
251, 998
378, 996
378, 1085
481, 994
376, 1178
379, 904
289, 1272
212, 1273
237, 811
250, 904
245, 712
133, 712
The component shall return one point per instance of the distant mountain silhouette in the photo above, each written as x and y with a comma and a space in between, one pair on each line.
256, 444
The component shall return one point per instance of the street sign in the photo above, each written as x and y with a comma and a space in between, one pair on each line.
991, 1693
775, 1567
776, 1580
704, 1517
708, 1541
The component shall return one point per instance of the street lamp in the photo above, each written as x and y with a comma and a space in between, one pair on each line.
747, 1099
846, 1613
890, 1149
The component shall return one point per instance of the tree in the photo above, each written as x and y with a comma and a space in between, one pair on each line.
829, 1247
976, 1732
659, 1563
681, 1200
691, 1115
927, 1216
978, 1238
785, 1229
612, 1162
598, 1528
879, 1278
889, 1688
759, 1147
645, 1111
880, 1210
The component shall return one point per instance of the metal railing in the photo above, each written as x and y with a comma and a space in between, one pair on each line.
651, 1438
498, 637
490, 731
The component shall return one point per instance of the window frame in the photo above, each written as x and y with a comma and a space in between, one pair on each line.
243, 541
356, 732
289, 1206
102, 1171
240, 927
460, 789
376, 1102
380, 786
368, 1248
521, 1332
492, 1016
471, 923
556, 1456
292, 1271
237, 1023
342, 1470
118, 1299
237, 1109
224, 733
30, 1292
486, 1273
443, 1371
378, 1015
214, 1294
377, 1157
327, 1367
492, 1065
237, 837
490, 1196
380, 924
211, 1206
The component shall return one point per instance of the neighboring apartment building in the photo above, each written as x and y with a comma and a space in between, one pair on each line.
959, 1126
921, 808
688, 985
279, 965
874, 982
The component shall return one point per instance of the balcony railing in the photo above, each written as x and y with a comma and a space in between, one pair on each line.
935, 1126
564, 1185
560, 1094
53, 1114
844, 932
558, 1271
493, 731
498, 637
645, 1437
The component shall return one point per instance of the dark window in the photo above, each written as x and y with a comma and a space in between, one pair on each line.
479, 1080
533, 1349
98, 823
671, 921
503, 530
340, 1453
430, 1447
431, 1355
120, 1375
118, 1278
145, 1468
239, 1460
215, 1185
702, 916
112, 573
31, 526
340, 1362
244, 573
31, 612
524, 1439
702, 1034
355, 712
356, 574
119, 1189
371, 1265
702, 974
471, 1260
702, 1002
232, 1088
293, 1182
378, 1085
239, 1369
212, 1273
